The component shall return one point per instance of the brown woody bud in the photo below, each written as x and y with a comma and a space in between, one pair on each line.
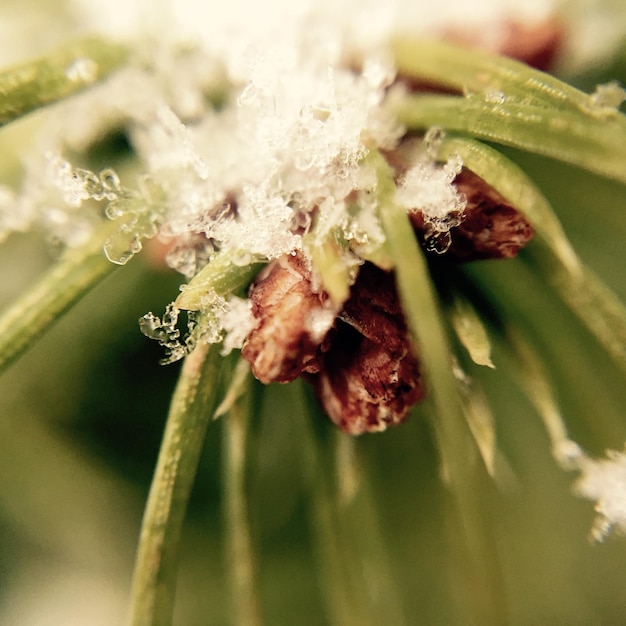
491, 228
292, 321
369, 376
363, 370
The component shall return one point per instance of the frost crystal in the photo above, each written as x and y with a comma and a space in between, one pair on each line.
165, 331
287, 143
202, 327
253, 122
605, 482
55, 196
169, 144
238, 322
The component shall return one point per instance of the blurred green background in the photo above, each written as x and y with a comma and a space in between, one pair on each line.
81, 417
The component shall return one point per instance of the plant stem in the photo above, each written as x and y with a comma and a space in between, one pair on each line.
337, 566
464, 472
475, 71
363, 535
595, 144
222, 276
59, 74
597, 307
509, 180
192, 407
77, 271
329, 262
532, 378
240, 557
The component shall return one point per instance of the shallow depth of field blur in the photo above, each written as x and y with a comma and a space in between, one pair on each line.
81, 417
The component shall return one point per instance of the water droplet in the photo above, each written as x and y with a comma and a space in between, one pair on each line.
438, 241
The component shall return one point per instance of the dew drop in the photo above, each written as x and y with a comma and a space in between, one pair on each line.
438, 241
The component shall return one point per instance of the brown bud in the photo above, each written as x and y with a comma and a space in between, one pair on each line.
491, 228
363, 369
369, 376
292, 321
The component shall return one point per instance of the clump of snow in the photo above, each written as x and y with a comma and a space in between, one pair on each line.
286, 144
301, 85
428, 187
166, 143
53, 196
606, 99
252, 120
237, 321
604, 481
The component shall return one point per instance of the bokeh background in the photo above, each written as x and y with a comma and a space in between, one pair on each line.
82, 413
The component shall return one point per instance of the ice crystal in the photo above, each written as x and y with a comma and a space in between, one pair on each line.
237, 321
77, 185
140, 214
53, 197
176, 343
190, 253
169, 144
428, 187
165, 331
